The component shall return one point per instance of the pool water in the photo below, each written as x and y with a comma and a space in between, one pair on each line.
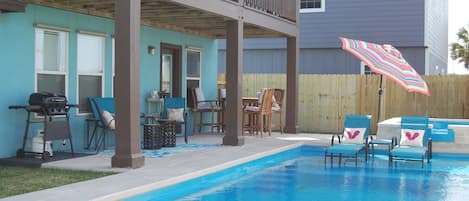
300, 174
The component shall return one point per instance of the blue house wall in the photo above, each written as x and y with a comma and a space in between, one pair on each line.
17, 44
417, 28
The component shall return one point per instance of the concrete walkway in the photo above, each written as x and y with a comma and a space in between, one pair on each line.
160, 172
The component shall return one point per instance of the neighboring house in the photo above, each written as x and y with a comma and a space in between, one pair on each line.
418, 28
68, 47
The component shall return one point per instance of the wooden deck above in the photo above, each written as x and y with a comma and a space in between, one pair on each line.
207, 18
7, 6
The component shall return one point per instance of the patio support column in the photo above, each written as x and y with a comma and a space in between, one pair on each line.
127, 30
291, 114
234, 83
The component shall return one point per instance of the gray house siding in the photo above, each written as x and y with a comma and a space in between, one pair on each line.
396, 22
313, 61
418, 28
436, 31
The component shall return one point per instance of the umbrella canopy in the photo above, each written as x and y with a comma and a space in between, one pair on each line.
388, 61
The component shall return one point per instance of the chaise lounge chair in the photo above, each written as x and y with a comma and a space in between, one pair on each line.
353, 140
414, 141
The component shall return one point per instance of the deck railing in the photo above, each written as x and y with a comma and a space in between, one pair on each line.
282, 8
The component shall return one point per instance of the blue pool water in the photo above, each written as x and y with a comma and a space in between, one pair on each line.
300, 174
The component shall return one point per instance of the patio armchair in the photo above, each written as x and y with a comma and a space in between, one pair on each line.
353, 140
201, 106
414, 142
258, 112
175, 109
102, 111
222, 98
277, 106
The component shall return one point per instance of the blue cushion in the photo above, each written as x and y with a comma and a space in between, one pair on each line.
408, 152
345, 149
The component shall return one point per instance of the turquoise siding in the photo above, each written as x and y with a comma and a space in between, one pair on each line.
17, 36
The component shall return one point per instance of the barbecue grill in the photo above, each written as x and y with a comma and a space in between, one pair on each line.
47, 105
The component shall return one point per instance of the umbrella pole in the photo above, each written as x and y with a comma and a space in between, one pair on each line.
380, 92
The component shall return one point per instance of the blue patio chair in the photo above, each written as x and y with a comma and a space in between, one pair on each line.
98, 105
176, 103
414, 142
353, 140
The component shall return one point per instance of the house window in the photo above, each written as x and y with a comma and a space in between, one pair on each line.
312, 6
365, 69
193, 73
90, 68
51, 58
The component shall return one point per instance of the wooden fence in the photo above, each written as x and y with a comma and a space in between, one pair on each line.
326, 99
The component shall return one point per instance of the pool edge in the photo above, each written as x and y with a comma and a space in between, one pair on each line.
175, 180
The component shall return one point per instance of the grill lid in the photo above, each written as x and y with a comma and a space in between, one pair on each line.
49, 103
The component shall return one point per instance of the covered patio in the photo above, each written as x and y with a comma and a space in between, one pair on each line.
233, 20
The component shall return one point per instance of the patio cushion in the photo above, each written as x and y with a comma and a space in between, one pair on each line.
346, 149
260, 95
275, 105
354, 135
408, 151
252, 108
176, 114
200, 97
109, 119
412, 137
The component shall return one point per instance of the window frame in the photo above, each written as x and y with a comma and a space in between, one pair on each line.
363, 71
37, 71
314, 10
102, 74
189, 78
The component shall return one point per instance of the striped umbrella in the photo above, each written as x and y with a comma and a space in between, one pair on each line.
388, 61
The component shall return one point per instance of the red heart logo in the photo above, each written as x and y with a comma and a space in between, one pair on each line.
410, 136
353, 135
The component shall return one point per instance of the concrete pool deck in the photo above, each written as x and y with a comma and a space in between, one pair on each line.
159, 172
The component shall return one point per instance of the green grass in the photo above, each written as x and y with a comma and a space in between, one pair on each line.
20, 180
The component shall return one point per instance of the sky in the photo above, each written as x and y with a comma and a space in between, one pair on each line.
458, 16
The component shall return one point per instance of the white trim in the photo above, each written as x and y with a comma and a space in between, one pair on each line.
314, 10
78, 113
92, 33
362, 67
426, 39
51, 27
194, 48
37, 71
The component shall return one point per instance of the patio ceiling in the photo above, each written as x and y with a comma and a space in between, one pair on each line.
167, 14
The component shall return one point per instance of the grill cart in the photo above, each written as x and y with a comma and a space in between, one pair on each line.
54, 111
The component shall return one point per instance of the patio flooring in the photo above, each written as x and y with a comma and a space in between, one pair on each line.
159, 172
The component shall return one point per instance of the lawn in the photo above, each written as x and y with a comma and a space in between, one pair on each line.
20, 180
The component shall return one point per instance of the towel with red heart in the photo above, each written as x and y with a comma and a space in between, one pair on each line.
354, 135
411, 137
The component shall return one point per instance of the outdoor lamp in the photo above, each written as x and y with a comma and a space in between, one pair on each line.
151, 50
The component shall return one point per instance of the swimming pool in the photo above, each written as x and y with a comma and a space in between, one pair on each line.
300, 174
